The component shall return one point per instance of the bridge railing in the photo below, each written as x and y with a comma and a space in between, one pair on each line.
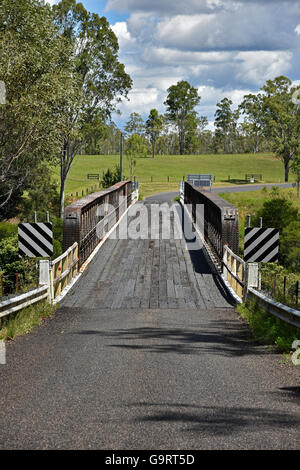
234, 272
87, 218
62, 270
23, 300
220, 224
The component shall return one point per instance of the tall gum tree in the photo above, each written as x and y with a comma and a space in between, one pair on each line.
101, 79
34, 68
181, 102
281, 119
154, 125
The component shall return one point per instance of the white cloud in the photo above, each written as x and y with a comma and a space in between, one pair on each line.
124, 37
255, 67
223, 47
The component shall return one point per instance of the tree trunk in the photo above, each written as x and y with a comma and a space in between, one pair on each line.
286, 172
153, 149
62, 198
181, 145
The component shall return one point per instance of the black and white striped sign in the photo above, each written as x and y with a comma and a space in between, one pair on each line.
35, 239
261, 245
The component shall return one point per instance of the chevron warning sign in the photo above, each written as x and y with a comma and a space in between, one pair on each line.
261, 245
35, 239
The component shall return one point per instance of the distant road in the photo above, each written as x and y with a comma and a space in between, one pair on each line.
161, 197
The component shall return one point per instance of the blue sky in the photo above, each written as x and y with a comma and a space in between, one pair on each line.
222, 47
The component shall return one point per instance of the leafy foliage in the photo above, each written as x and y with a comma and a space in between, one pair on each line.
110, 177
181, 102
33, 66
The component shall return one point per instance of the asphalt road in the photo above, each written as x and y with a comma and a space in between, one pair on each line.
171, 195
116, 376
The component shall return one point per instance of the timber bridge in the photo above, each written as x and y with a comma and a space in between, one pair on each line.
152, 270
146, 350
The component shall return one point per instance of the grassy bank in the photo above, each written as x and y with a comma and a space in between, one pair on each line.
25, 320
175, 167
268, 329
250, 202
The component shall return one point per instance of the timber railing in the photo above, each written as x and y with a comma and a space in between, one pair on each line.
62, 270
234, 272
84, 219
85, 226
220, 224
219, 230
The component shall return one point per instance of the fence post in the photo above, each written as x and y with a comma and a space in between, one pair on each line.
45, 276
246, 282
240, 276
225, 264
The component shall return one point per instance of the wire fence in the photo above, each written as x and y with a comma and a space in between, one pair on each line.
15, 283
284, 288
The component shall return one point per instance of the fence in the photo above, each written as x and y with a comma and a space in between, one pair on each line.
24, 300
220, 219
241, 278
82, 219
284, 288
234, 272
58, 275
62, 270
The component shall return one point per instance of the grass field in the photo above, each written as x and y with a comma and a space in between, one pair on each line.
153, 174
250, 202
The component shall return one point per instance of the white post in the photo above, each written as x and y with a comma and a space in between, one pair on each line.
45, 275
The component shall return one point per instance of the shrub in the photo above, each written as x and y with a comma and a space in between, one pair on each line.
276, 213
111, 177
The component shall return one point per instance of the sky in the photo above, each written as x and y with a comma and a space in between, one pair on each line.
224, 48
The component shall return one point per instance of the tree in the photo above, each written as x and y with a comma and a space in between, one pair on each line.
290, 246
154, 125
134, 147
99, 76
34, 68
277, 212
251, 107
181, 102
281, 120
226, 124
135, 124
295, 167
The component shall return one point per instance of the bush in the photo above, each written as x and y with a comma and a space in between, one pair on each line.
290, 246
111, 177
11, 263
7, 230
277, 213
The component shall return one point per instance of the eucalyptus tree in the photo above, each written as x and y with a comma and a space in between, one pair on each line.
34, 69
226, 124
135, 124
281, 119
154, 125
181, 102
100, 78
252, 108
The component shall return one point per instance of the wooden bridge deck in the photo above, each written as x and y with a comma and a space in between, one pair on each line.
149, 273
